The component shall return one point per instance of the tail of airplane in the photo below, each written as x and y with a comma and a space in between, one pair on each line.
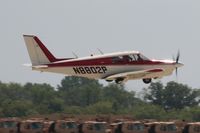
38, 53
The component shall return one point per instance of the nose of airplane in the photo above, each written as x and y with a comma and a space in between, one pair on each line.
179, 65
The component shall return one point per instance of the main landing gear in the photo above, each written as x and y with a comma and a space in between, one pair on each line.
118, 80
147, 81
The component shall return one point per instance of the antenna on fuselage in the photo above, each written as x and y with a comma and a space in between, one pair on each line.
100, 51
76, 56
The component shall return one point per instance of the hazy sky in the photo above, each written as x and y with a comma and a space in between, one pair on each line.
157, 28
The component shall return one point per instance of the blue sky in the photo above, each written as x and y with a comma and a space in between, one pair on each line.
157, 28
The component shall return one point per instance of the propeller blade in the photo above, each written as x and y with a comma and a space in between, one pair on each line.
176, 72
178, 56
177, 60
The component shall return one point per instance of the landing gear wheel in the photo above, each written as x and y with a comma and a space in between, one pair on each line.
147, 81
119, 80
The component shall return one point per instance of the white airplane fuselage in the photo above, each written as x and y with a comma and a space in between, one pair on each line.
120, 66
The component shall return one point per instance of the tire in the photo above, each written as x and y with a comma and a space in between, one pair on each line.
147, 81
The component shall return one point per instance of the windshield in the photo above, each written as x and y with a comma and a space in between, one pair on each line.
129, 58
137, 57
142, 57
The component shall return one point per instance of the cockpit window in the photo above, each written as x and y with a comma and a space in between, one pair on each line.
137, 57
132, 58
126, 58
143, 57
117, 59
129, 58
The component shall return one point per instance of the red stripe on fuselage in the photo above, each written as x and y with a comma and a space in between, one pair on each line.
103, 62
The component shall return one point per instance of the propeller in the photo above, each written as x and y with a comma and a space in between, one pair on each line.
178, 56
177, 61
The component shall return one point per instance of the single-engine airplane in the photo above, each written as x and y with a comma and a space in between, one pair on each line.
118, 67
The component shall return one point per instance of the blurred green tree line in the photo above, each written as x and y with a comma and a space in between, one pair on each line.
77, 95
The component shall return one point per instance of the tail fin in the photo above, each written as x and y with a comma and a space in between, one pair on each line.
38, 53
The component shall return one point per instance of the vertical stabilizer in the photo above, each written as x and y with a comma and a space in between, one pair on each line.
38, 53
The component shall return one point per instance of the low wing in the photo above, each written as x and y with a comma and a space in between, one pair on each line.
135, 74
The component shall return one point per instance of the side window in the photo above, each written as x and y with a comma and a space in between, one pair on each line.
139, 58
129, 58
135, 57
126, 58
132, 58
117, 59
